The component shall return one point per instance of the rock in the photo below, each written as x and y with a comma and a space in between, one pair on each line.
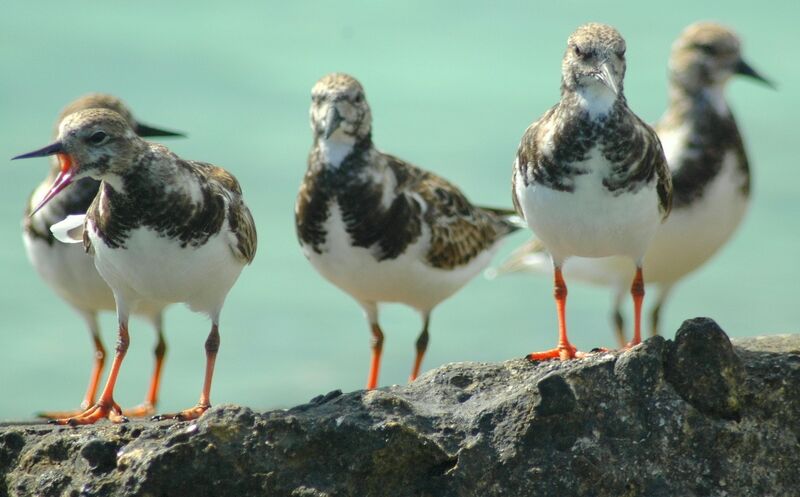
693, 417
705, 370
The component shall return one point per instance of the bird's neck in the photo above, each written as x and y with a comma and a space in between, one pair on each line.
591, 108
594, 101
338, 152
689, 103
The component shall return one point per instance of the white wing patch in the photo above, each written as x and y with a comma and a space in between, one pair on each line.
69, 229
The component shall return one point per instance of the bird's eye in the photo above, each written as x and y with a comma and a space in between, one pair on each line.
98, 137
359, 98
578, 51
707, 49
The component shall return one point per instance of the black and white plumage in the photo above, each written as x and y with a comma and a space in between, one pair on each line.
66, 267
161, 230
710, 174
590, 178
380, 228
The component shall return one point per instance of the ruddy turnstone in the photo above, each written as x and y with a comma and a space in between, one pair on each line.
70, 272
590, 177
162, 230
710, 174
380, 228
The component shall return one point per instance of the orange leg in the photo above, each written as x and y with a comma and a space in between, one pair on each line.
422, 346
377, 350
148, 407
637, 291
105, 407
564, 350
212, 347
94, 382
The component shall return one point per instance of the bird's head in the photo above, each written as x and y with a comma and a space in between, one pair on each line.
90, 143
339, 109
594, 62
110, 102
706, 55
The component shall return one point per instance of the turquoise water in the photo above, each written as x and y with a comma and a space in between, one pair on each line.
452, 86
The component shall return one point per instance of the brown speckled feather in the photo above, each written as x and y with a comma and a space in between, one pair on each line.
459, 230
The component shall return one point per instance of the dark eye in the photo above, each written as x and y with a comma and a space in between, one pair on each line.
707, 49
359, 98
98, 137
577, 51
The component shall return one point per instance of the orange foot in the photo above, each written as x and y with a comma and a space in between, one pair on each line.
564, 353
185, 415
60, 414
142, 410
94, 414
630, 345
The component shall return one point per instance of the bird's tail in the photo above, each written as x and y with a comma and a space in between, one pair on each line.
509, 217
531, 257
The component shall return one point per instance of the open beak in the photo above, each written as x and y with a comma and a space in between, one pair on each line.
605, 76
744, 69
65, 176
332, 121
145, 131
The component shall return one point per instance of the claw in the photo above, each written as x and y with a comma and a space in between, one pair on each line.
143, 410
94, 414
562, 353
185, 415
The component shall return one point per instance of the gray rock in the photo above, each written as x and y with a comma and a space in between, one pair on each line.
693, 417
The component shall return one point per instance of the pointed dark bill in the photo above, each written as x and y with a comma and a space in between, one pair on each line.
606, 77
745, 69
65, 176
146, 131
52, 149
332, 121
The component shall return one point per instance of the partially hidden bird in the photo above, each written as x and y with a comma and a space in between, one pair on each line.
161, 230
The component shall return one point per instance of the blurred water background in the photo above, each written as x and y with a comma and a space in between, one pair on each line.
452, 87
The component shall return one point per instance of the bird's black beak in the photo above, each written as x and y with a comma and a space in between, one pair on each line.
332, 121
145, 131
605, 75
745, 69
52, 149
66, 173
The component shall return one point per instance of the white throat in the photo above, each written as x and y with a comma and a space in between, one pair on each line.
716, 97
335, 151
597, 99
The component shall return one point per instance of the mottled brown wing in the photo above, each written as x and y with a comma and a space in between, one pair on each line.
460, 231
239, 217
244, 227
527, 159
663, 174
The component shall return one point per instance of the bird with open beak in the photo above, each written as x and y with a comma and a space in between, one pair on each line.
162, 230
70, 272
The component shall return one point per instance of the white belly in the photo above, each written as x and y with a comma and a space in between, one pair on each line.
407, 279
591, 222
70, 272
692, 235
686, 240
152, 269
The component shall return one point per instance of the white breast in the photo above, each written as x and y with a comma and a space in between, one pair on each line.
152, 268
407, 279
686, 240
591, 221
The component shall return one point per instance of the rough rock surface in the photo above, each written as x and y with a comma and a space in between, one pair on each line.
691, 417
